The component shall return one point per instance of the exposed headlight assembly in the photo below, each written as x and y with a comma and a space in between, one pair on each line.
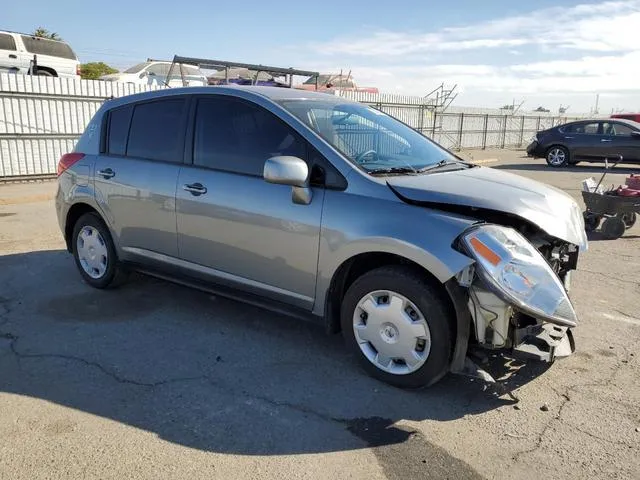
515, 271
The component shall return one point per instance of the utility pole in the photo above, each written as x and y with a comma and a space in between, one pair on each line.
595, 110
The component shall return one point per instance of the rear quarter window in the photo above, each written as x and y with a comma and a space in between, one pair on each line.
7, 42
42, 46
118, 130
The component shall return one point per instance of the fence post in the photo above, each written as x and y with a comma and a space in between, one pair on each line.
421, 118
521, 131
484, 131
504, 131
460, 131
433, 127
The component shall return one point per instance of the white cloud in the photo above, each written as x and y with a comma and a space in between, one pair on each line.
590, 48
607, 26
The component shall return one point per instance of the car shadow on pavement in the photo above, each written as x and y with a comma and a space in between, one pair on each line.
206, 372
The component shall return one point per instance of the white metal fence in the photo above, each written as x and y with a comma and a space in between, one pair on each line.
41, 118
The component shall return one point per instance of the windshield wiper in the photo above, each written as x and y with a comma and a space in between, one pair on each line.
392, 170
442, 163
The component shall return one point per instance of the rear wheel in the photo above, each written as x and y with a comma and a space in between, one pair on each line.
95, 254
397, 325
44, 73
557, 156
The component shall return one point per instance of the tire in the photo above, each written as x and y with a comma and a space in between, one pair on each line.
44, 73
613, 227
629, 219
95, 253
591, 221
425, 338
557, 156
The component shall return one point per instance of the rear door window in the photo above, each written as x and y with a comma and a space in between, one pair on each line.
7, 42
43, 46
118, 130
590, 128
157, 130
239, 137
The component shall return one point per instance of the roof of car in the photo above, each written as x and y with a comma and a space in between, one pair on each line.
272, 93
631, 123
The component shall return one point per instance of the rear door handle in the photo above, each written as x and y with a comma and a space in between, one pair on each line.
568, 138
195, 189
107, 173
605, 140
11, 55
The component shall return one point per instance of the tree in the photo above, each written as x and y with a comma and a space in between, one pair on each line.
94, 70
44, 33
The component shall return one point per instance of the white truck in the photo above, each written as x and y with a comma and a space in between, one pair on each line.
23, 53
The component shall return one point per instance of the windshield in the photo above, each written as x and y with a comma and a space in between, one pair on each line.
136, 68
367, 137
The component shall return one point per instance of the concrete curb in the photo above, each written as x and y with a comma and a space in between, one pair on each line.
483, 161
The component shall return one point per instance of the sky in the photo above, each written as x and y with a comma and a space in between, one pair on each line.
543, 53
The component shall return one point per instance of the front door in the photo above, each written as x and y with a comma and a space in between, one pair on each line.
244, 231
623, 142
135, 180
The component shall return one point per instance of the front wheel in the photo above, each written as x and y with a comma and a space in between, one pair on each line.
95, 254
629, 219
557, 157
398, 326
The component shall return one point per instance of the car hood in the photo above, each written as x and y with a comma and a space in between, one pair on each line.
552, 210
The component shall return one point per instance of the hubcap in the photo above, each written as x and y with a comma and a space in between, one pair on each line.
92, 252
556, 156
391, 332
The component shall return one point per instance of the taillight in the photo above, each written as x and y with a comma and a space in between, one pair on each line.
78, 70
67, 160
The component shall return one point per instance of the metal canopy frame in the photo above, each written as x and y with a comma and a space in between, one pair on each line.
225, 65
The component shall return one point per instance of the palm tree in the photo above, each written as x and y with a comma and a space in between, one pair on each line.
44, 33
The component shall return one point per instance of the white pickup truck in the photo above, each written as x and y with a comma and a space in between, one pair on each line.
53, 58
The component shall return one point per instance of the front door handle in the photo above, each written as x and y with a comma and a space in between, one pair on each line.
605, 140
107, 173
195, 188
568, 138
11, 55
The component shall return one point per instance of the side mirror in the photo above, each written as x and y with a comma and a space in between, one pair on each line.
292, 171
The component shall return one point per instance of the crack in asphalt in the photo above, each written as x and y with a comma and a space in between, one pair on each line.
611, 277
626, 314
566, 399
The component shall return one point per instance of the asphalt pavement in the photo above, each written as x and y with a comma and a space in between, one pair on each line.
154, 380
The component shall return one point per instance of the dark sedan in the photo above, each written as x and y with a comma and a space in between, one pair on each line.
587, 140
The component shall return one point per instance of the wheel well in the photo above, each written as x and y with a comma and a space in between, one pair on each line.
74, 213
555, 145
357, 266
48, 69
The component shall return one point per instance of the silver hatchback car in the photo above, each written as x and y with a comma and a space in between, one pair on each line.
323, 208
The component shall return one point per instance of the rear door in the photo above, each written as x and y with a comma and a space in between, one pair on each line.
9, 56
587, 140
136, 177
